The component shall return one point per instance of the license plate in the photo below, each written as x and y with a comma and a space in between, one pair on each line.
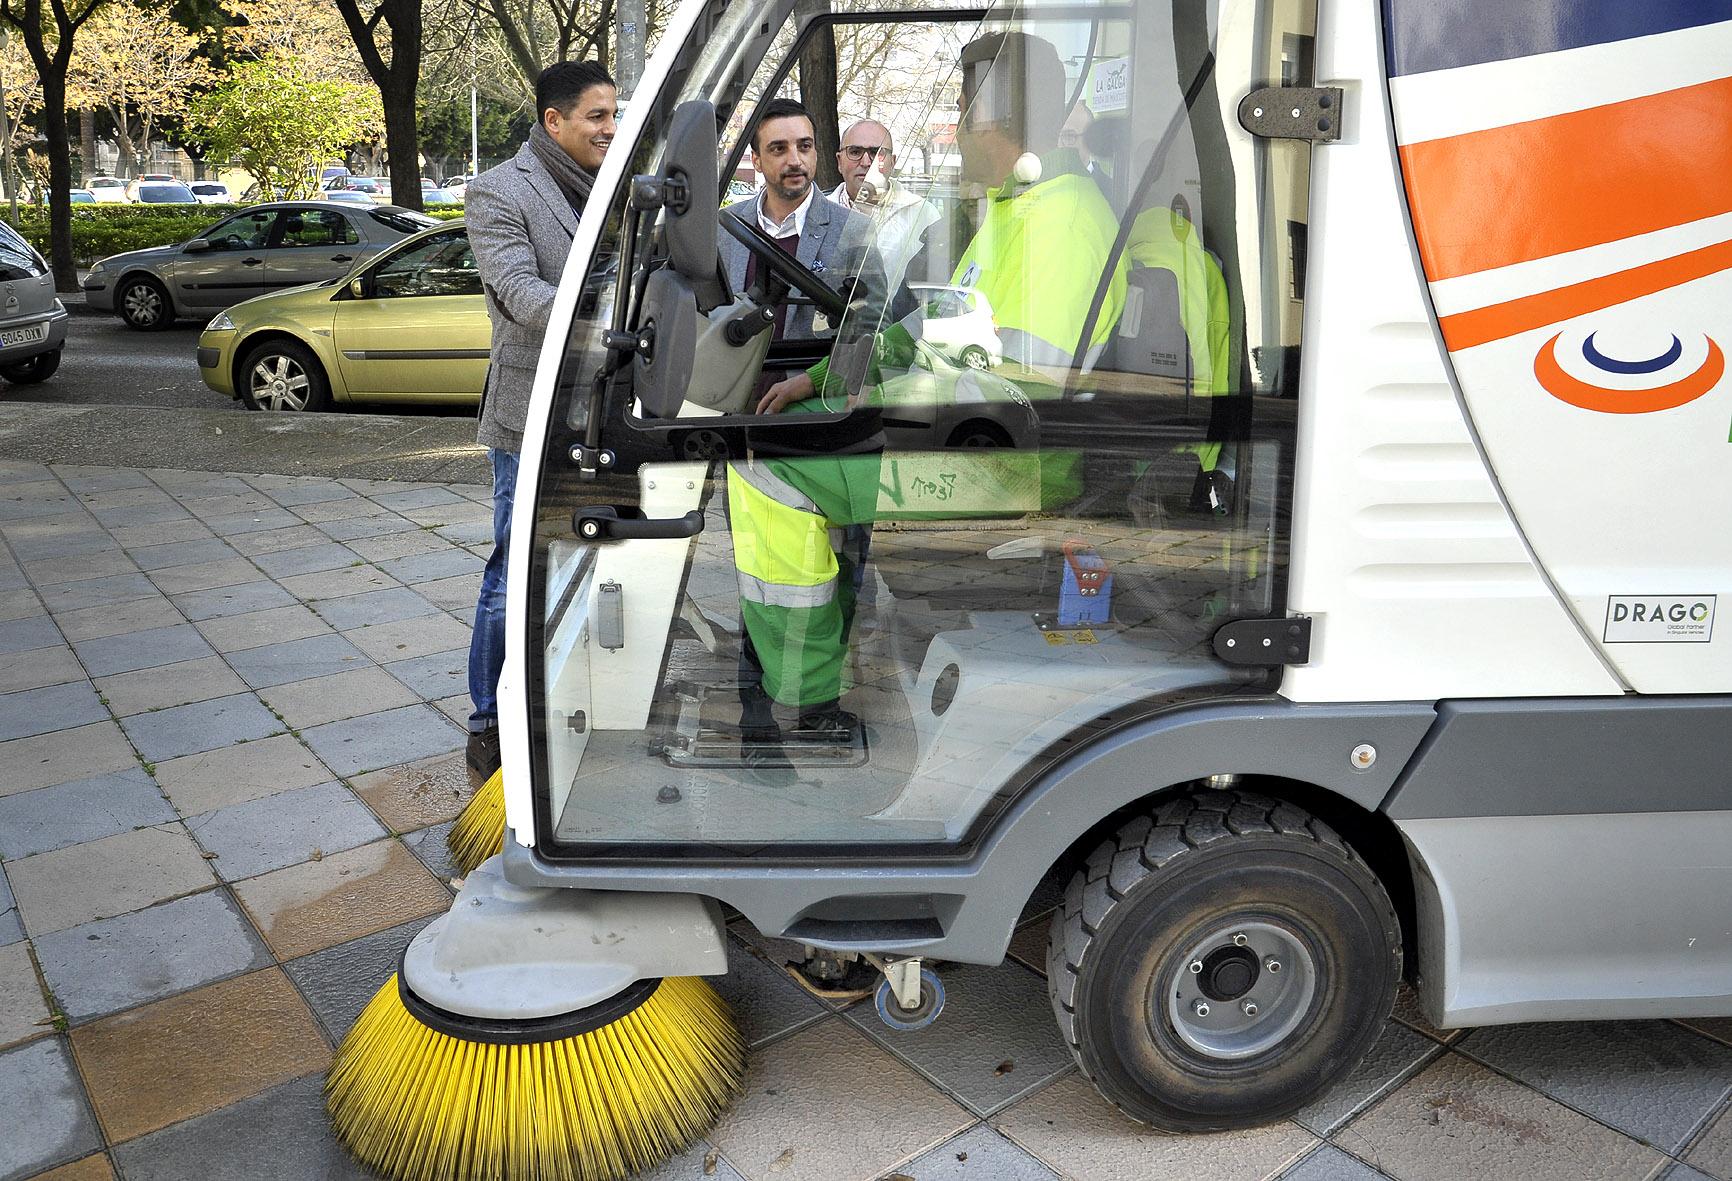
30, 335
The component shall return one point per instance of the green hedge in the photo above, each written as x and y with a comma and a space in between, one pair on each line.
101, 230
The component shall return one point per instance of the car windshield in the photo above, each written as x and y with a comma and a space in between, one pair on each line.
209, 190
162, 194
404, 221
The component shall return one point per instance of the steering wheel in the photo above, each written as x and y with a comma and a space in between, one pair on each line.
786, 267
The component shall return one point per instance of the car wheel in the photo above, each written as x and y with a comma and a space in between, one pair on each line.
283, 375
978, 432
976, 357
144, 304
32, 369
1222, 963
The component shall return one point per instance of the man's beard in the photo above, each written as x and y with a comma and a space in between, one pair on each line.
787, 193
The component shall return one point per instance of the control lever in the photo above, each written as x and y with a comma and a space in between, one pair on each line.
608, 522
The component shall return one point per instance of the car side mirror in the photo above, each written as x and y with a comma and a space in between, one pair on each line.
358, 288
689, 188
196, 246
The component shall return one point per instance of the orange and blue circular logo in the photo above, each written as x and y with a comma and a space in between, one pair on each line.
1667, 391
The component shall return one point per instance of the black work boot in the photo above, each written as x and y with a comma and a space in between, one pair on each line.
482, 752
827, 722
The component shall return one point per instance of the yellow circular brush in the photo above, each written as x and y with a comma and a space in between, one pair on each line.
598, 1095
480, 829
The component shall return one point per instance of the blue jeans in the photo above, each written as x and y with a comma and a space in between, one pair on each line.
487, 642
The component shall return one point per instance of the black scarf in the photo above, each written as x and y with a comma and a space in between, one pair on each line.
574, 180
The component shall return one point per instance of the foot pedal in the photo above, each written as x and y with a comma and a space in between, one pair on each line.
700, 740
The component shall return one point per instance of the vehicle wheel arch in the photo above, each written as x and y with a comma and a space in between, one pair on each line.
252, 340
145, 274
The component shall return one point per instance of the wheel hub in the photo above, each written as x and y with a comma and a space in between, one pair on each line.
1239, 990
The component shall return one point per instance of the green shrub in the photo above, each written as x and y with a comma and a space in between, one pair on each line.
101, 230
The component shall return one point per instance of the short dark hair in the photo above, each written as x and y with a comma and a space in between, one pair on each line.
560, 85
779, 108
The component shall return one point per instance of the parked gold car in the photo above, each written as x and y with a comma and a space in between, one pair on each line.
408, 326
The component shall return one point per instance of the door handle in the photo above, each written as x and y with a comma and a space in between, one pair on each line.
251, 262
342, 258
608, 522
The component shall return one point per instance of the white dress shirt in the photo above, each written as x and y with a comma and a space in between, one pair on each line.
794, 223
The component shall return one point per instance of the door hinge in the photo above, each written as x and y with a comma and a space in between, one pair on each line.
1293, 112
1282, 640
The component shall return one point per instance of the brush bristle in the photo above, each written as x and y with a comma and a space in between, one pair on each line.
480, 829
419, 1105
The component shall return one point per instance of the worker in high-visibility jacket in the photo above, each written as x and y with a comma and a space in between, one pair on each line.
1039, 257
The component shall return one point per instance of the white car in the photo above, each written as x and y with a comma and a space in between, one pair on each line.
209, 192
108, 190
959, 324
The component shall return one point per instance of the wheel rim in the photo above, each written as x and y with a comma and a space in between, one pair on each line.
143, 303
278, 382
975, 359
1225, 1001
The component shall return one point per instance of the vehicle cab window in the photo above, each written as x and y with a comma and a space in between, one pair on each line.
244, 231
317, 227
442, 264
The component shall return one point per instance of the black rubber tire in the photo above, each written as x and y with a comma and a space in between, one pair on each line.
132, 316
31, 370
318, 389
1202, 859
978, 432
975, 357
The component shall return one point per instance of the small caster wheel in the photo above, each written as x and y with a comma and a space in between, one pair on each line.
921, 1015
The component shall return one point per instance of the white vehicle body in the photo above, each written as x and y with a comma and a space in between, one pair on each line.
959, 324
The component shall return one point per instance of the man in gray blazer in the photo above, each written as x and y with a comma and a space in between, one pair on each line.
521, 218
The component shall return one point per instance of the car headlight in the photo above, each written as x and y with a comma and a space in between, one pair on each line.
222, 323
94, 271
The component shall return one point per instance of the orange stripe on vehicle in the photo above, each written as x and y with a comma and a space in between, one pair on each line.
1464, 330
1492, 198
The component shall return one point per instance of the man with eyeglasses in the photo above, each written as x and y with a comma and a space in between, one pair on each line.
900, 219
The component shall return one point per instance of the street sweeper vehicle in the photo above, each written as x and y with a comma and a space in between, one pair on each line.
1322, 588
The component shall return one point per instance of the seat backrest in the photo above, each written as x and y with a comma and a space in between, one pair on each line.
1151, 337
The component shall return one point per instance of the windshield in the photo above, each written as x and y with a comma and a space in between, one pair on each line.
157, 194
957, 437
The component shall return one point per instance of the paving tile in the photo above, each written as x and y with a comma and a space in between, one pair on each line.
383, 739
341, 695
39, 1090
1397, 1051
700, 1162
94, 623
22, 635
979, 1154
102, 563
63, 756
137, 538
766, 1003
297, 660
1712, 1152
256, 629
397, 546
308, 559
23, 1010
407, 639
1718, 1028
337, 584
1457, 1119
418, 794
446, 563
108, 877
304, 491
204, 725
477, 531
40, 668
47, 546
270, 541
998, 1043
318, 904
195, 552
414, 498
457, 707
1649, 1079
90, 1168
85, 810
1071, 1128
19, 602
380, 606
99, 592
429, 847
202, 1050
112, 964
443, 674
231, 775
145, 649
281, 1134
229, 504
282, 829
11, 925
339, 981
813, 1080
169, 685
256, 522
453, 594
346, 508
372, 525
30, 712
226, 601
180, 580
1329, 1163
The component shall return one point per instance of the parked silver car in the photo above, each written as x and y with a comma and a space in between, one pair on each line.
265, 248
32, 320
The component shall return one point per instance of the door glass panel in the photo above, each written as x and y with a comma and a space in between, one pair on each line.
441, 264
963, 506
317, 227
244, 231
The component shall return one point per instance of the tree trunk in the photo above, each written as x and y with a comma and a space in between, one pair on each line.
59, 182
87, 144
818, 91
402, 143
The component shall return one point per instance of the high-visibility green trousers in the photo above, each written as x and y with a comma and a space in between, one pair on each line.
797, 561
